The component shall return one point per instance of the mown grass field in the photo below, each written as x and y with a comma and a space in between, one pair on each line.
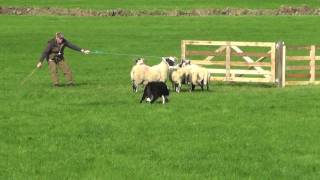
154, 4
98, 130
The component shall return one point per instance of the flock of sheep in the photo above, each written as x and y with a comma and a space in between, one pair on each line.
182, 73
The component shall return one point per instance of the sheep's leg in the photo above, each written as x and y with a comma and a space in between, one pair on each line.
179, 87
163, 99
184, 79
192, 87
134, 87
191, 83
176, 87
201, 84
143, 97
188, 79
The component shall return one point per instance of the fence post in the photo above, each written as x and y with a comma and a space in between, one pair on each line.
284, 56
228, 61
312, 63
280, 64
183, 49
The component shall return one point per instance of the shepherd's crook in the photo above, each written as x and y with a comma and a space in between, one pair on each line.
27, 77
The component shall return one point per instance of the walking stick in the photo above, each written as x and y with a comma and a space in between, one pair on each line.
27, 77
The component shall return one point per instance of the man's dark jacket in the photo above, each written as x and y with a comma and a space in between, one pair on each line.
55, 51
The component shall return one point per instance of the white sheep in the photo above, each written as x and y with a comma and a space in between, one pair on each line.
142, 73
196, 75
163, 68
178, 76
199, 76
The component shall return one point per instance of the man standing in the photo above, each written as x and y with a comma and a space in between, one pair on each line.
54, 55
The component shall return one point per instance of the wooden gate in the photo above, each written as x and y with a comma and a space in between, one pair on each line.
301, 65
233, 61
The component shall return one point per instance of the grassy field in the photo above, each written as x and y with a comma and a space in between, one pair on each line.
154, 4
98, 130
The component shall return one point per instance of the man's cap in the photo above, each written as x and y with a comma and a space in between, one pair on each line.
59, 35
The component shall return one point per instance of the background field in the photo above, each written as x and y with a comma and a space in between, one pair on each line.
155, 4
98, 130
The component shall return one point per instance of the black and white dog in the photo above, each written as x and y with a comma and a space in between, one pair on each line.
154, 90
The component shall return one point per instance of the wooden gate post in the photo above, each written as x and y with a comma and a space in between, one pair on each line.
312, 63
183, 49
280, 64
284, 65
228, 62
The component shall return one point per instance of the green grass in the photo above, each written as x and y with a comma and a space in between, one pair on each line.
98, 130
154, 4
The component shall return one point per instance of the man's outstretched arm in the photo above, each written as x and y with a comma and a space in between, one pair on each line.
76, 48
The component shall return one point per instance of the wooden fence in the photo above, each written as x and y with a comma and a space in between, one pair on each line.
228, 61
301, 67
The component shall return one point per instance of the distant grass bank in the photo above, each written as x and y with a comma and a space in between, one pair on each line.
58, 11
155, 4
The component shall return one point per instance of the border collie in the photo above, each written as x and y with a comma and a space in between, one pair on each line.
154, 90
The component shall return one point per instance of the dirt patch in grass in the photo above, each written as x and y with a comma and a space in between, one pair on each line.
283, 10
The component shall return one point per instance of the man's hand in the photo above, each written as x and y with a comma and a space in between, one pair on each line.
39, 65
86, 51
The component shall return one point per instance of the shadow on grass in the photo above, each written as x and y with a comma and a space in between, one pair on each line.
75, 85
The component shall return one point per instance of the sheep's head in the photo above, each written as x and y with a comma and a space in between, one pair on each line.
184, 62
139, 61
169, 60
